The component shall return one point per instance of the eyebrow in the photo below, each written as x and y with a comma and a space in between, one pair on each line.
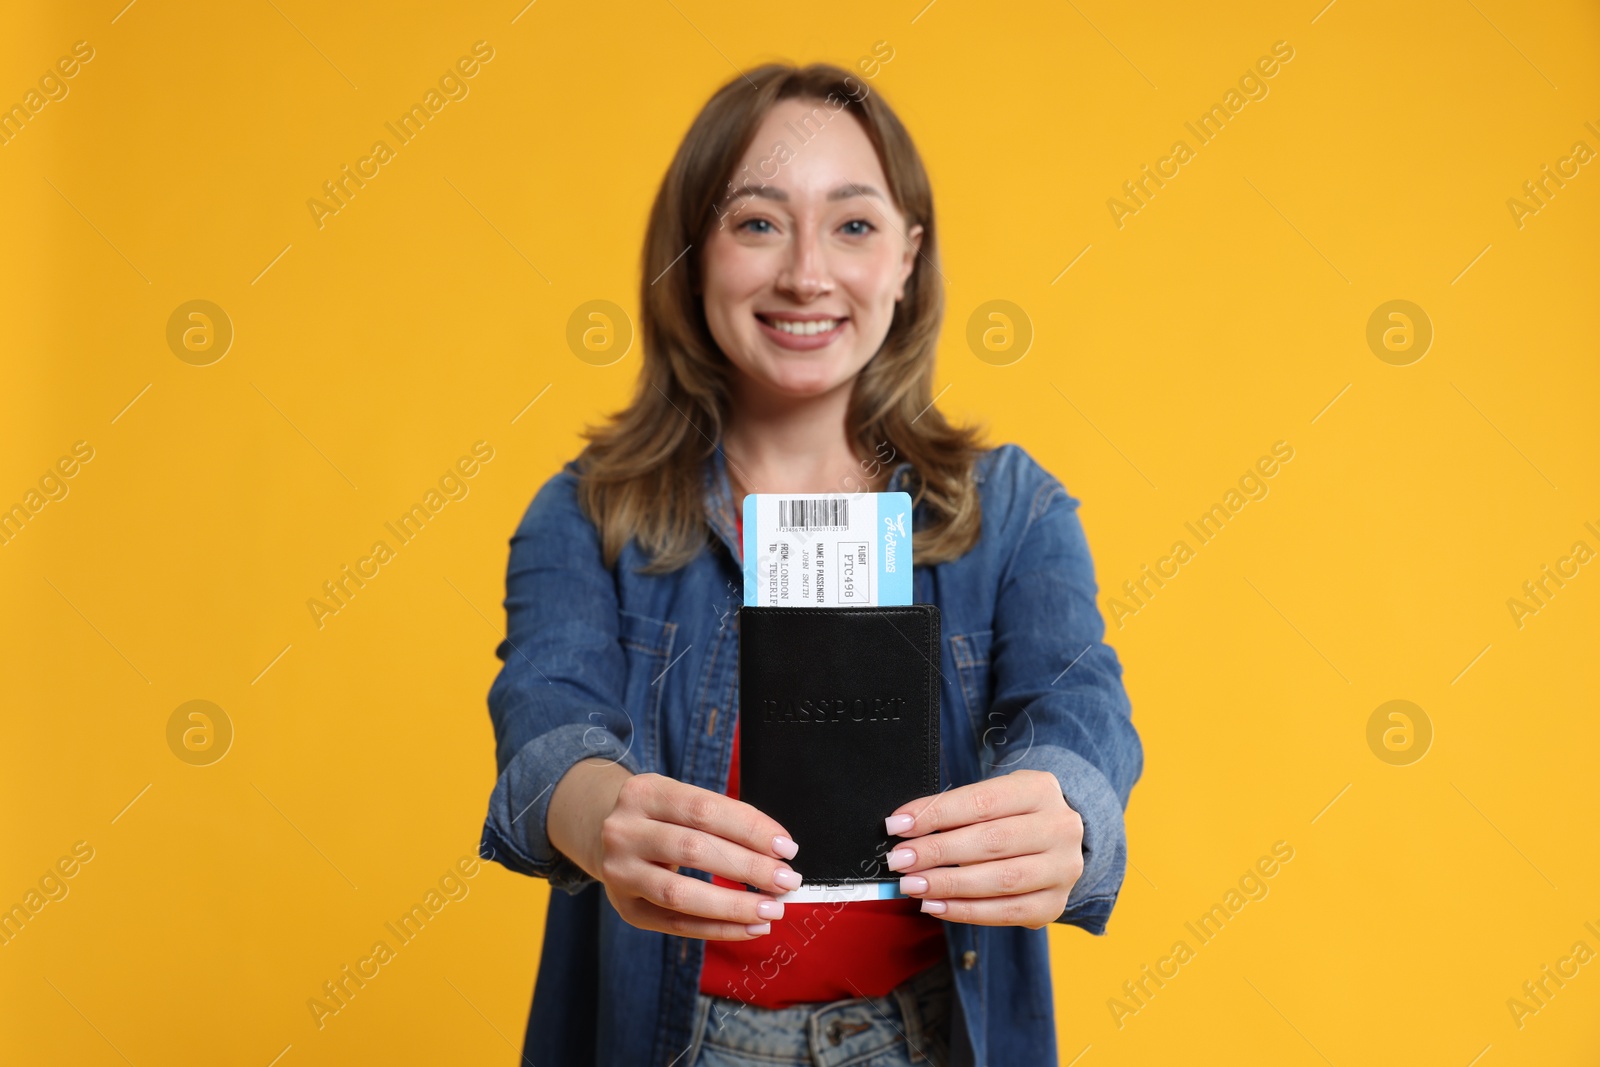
767, 192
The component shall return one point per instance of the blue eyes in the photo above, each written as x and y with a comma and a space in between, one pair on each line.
866, 227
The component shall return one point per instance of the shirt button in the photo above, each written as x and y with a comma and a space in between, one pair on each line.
969, 959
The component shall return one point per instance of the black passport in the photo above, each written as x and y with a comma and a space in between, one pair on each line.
838, 727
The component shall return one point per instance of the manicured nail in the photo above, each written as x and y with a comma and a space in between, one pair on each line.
913, 883
934, 907
901, 857
769, 909
786, 878
757, 929
784, 847
897, 824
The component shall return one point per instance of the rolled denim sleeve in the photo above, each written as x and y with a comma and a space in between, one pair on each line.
1058, 691
558, 697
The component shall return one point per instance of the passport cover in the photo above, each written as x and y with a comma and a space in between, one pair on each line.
838, 726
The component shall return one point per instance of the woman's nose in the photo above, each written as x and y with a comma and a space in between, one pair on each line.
806, 273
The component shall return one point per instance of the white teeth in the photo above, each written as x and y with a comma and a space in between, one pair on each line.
804, 329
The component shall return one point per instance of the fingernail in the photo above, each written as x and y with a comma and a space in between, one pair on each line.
786, 878
757, 929
933, 907
897, 824
769, 909
784, 847
901, 857
913, 883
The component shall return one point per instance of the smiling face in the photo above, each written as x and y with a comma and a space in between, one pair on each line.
801, 275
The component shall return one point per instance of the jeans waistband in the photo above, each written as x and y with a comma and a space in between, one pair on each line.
915, 1014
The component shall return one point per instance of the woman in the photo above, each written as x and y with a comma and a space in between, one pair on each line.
790, 307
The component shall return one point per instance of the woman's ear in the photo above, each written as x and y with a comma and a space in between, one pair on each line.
908, 262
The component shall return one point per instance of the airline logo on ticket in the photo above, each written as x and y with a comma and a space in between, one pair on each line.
827, 550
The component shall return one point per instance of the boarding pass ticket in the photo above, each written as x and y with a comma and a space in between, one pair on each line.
827, 550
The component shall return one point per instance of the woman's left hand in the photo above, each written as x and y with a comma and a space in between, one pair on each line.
1005, 851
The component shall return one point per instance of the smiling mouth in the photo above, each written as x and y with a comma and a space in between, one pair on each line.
803, 327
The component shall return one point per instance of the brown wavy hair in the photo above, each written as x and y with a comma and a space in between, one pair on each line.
641, 475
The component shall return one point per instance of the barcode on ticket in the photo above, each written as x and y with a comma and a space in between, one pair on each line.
817, 513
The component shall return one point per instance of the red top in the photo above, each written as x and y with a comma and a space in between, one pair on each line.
821, 952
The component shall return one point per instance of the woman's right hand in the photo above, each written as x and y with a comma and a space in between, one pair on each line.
658, 824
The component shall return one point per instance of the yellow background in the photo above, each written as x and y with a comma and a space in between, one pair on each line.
431, 310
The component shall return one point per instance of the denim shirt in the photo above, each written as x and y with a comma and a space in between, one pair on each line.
643, 670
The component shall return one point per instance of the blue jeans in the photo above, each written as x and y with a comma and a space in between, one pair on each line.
910, 1025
